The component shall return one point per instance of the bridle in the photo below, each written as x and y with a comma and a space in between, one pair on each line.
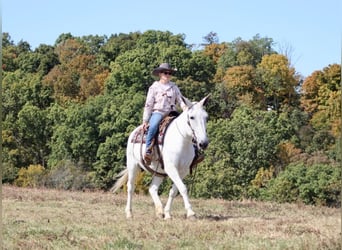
194, 137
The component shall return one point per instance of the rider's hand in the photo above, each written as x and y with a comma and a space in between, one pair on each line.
145, 125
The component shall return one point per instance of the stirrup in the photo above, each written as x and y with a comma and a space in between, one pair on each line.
148, 157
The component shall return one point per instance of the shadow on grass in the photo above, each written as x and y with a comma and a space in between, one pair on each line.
220, 217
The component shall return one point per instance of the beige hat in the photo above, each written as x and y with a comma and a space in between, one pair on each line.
163, 67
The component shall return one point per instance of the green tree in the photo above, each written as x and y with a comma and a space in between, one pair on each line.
162, 38
47, 58
75, 136
9, 54
134, 67
200, 67
121, 113
116, 45
25, 139
239, 148
240, 52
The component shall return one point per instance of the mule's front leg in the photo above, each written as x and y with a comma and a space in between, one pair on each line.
156, 181
174, 176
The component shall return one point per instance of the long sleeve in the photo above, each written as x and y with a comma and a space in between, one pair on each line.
150, 99
179, 99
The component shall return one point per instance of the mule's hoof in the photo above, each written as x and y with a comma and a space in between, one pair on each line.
160, 216
167, 217
192, 217
190, 214
129, 215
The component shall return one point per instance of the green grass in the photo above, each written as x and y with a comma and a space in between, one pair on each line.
52, 219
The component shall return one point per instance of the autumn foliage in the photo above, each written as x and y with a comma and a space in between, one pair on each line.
69, 107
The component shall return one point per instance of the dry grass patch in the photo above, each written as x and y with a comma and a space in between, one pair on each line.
52, 219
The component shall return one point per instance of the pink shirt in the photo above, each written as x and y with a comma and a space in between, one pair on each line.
162, 98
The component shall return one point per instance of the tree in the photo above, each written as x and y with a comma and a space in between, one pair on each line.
321, 98
211, 38
116, 45
163, 38
309, 93
215, 51
76, 133
47, 58
279, 81
121, 113
241, 82
200, 68
78, 76
25, 139
134, 67
9, 53
240, 52
239, 148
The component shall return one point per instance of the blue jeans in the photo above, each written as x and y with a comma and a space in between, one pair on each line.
153, 128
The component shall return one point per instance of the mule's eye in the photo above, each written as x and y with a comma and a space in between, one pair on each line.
191, 117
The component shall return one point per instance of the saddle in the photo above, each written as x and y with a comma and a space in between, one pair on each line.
140, 134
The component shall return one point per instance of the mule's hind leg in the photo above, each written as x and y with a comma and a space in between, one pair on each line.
156, 181
133, 170
172, 194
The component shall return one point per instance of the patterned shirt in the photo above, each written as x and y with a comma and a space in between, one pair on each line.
162, 98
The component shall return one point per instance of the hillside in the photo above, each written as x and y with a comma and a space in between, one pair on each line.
69, 108
53, 219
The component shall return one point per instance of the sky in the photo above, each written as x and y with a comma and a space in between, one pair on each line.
310, 31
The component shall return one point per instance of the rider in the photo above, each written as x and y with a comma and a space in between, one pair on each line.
162, 98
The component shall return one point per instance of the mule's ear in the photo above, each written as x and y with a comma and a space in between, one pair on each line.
205, 100
186, 101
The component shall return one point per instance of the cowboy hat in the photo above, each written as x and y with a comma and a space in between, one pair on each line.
163, 67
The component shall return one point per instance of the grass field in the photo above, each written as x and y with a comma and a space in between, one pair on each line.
52, 219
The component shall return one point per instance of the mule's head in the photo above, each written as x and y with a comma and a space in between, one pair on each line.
197, 119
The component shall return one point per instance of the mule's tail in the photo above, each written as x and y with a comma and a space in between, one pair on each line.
122, 179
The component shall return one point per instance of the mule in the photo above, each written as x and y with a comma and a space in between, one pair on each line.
177, 152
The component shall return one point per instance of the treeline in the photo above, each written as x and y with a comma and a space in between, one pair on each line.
68, 108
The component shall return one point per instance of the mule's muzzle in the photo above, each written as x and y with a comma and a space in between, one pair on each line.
203, 144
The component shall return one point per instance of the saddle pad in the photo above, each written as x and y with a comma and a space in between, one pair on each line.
140, 135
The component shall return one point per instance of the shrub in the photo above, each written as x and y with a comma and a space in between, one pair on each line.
318, 184
30, 177
68, 176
